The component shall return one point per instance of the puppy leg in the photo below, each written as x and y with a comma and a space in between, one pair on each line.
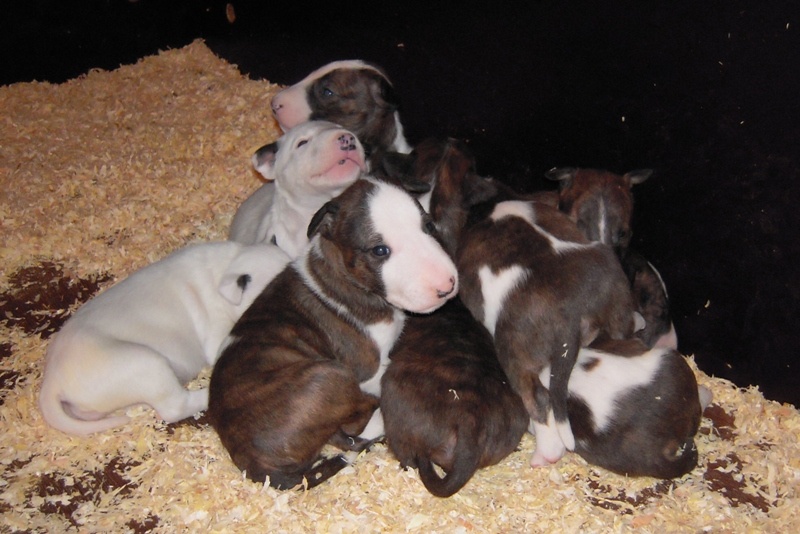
144, 376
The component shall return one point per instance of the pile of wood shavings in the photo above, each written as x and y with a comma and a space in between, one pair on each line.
113, 170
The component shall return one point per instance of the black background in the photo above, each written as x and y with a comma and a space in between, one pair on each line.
705, 92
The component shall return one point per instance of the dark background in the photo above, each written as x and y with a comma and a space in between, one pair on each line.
705, 92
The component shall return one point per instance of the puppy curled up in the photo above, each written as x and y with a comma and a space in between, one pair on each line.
303, 365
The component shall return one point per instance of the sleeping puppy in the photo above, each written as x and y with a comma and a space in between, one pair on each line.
139, 341
306, 167
445, 399
635, 410
303, 365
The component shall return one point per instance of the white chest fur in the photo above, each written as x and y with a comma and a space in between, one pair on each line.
384, 334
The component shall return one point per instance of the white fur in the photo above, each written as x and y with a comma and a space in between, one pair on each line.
418, 268
139, 341
614, 375
526, 211
309, 169
495, 288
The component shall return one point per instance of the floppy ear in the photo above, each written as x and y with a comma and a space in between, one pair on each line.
329, 208
233, 285
264, 160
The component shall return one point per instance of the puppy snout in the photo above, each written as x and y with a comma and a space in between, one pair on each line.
347, 142
442, 294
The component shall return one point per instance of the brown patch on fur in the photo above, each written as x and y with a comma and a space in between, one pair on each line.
40, 296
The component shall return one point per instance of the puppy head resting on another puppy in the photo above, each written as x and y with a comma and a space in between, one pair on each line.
313, 158
351, 93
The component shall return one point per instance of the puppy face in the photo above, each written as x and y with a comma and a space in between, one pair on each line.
379, 234
315, 157
351, 93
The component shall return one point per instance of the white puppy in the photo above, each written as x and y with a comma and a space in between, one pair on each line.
307, 167
139, 341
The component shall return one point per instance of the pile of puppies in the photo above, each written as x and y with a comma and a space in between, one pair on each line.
372, 291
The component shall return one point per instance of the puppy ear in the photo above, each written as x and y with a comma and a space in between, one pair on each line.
638, 176
233, 285
564, 175
329, 208
264, 160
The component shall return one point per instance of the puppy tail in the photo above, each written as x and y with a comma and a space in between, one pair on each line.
465, 463
55, 412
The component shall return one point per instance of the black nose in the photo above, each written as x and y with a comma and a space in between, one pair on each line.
347, 142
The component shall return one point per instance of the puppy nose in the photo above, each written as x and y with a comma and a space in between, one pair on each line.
442, 294
275, 106
347, 142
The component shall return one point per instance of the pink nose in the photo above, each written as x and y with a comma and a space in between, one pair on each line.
442, 294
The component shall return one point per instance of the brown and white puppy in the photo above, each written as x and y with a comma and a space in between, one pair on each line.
601, 203
445, 399
354, 94
141, 340
635, 410
306, 167
303, 365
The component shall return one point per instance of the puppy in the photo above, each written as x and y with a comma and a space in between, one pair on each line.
352, 93
635, 410
601, 204
306, 167
445, 399
303, 365
139, 341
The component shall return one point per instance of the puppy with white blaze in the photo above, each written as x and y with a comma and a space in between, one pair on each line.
543, 291
304, 363
306, 167
141, 340
352, 94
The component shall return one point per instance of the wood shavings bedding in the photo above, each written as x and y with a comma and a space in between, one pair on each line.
111, 171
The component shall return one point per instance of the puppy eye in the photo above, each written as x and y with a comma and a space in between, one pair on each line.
429, 228
327, 92
301, 143
381, 250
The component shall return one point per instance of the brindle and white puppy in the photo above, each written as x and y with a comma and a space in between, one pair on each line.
304, 363
445, 399
635, 410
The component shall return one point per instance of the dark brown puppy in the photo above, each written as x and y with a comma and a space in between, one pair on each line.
445, 399
304, 362
601, 204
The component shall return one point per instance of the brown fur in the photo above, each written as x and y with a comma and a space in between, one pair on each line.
580, 192
446, 401
289, 381
362, 101
445, 398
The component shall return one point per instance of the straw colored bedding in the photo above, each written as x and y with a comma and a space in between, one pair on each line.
108, 172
